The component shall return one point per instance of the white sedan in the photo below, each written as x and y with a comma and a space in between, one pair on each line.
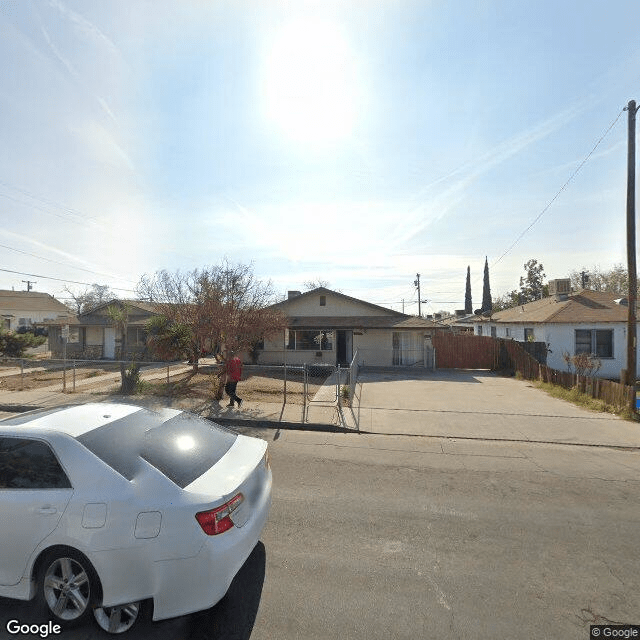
107, 506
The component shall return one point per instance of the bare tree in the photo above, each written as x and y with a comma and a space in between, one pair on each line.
222, 305
316, 283
614, 280
89, 298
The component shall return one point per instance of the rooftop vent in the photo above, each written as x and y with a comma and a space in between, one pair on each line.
622, 301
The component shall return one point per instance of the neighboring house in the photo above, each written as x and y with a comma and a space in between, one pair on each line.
93, 336
592, 322
328, 327
461, 322
29, 309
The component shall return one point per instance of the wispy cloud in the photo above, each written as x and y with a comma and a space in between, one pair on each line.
437, 204
84, 27
72, 261
100, 46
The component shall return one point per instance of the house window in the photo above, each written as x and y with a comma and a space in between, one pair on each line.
598, 342
507, 332
479, 330
136, 336
493, 332
312, 340
323, 301
528, 335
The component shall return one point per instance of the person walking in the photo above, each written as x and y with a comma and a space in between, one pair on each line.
234, 374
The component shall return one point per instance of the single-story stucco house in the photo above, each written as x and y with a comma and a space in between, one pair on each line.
593, 322
93, 336
30, 309
328, 327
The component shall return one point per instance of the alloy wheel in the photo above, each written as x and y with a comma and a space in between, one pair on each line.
117, 619
67, 588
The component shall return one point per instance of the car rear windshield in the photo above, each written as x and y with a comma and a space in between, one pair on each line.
182, 448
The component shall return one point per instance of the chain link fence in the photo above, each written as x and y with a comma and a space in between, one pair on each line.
311, 385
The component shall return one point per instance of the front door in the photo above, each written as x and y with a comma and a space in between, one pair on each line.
344, 347
110, 342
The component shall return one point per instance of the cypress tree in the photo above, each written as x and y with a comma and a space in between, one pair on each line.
468, 306
486, 289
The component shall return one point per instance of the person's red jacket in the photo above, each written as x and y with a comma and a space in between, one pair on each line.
234, 369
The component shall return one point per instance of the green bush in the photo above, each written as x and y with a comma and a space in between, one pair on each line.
13, 345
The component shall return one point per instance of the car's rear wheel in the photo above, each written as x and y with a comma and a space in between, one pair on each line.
117, 619
68, 586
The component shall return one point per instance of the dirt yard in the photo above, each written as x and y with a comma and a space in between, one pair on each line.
38, 376
252, 388
259, 386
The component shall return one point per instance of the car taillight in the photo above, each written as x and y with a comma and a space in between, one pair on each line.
219, 520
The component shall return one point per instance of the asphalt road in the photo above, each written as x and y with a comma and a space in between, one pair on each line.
413, 537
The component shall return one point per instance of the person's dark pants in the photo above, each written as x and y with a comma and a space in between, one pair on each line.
230, 388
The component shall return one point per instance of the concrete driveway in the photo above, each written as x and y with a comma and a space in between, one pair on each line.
479, 405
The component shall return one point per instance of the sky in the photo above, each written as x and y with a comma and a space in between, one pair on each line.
354, 142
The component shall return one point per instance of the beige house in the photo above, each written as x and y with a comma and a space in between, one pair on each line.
93, 336
30, 309
327, 327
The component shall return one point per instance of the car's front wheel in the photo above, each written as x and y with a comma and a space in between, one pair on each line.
68, 586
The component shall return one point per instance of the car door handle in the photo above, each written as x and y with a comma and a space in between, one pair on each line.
47, 511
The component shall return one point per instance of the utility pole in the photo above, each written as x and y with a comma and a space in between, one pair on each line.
416, 283
631, 247
585, 279
29, 284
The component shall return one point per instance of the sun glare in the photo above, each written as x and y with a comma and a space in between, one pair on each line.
309, 80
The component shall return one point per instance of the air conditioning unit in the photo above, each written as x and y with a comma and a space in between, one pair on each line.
560, 287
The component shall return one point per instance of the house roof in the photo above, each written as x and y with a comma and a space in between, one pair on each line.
379, 318
582, 307
149, 308
381, 311
24, 301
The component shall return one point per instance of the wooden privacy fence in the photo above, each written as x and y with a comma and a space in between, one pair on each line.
459, 351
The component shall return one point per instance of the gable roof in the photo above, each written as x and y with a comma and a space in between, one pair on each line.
379, 318
31, 301
148, 308
582, 307
381, 311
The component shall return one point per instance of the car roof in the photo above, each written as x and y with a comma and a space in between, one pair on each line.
181, 445
74, 420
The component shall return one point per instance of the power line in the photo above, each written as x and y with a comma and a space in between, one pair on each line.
70, 212
33, 255
87, 284
562, 188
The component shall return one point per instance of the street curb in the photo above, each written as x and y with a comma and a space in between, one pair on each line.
19, 408
269, 424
